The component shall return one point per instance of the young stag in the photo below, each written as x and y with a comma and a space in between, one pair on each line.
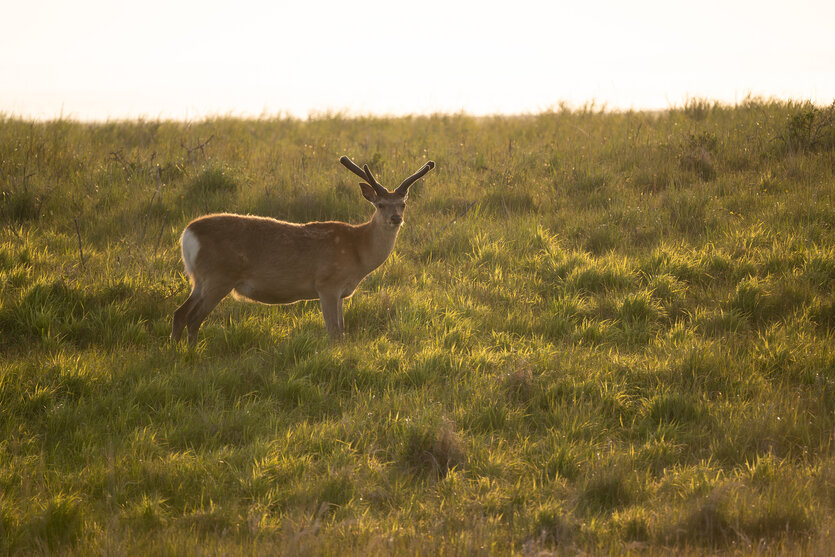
275, 262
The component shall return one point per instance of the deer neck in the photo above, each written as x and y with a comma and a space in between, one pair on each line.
379, 242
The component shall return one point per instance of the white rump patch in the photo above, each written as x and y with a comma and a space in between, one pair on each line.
190, 246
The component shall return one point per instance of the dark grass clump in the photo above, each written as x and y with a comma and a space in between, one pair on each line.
810, 128
632, 524
697, 155
732, 513
823, 315
21, 205
562, 463
707, 524
214, 179
554, 528
212, 188
675, 408
504, 202
431, 449
606, 490
767, 300
519, 383
58, 526
707, 369
338, 490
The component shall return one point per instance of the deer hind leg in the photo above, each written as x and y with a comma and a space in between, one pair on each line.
210, 296
181, 315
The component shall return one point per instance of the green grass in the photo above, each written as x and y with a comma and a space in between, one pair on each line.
599, 332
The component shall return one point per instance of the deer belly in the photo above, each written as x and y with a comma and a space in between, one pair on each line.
349, 289
273, 294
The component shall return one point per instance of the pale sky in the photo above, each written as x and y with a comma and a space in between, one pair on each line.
189, 59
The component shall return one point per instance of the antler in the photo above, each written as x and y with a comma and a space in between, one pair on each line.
404, 187
363, 173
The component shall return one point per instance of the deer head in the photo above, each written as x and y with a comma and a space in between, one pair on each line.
389, 205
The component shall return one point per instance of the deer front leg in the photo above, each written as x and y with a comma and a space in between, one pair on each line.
331, 306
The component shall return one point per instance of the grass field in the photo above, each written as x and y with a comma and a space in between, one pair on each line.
599, 332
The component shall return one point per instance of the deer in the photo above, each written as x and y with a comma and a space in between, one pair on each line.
266, 260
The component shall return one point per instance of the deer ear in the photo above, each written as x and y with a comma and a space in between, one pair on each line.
368, 192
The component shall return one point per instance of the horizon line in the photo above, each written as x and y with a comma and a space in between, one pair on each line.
592, 105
